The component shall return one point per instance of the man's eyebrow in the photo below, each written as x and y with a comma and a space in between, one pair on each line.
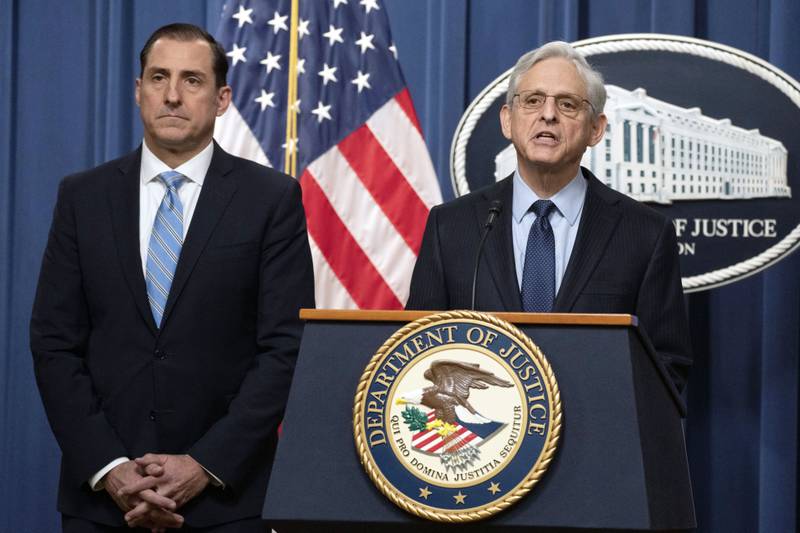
182, 73
195, 73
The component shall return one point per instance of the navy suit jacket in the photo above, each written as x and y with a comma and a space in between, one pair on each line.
212, 382
624, 260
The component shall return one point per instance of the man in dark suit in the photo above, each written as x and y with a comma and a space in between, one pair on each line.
563, 241
165, 327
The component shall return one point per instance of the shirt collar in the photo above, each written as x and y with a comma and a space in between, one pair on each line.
194, 169
569, 200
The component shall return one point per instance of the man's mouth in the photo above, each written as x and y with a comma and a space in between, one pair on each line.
546, 137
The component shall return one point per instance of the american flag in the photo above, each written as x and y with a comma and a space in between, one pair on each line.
431, 441
367, 178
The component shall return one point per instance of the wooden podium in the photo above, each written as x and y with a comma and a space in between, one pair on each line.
621, 462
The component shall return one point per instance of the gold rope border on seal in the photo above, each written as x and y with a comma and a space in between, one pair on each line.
545, 458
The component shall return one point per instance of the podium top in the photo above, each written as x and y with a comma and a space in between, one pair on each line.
567, 319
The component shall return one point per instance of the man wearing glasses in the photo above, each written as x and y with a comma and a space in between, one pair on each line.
562, 241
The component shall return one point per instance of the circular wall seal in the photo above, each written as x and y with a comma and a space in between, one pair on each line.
702, 132
457, 416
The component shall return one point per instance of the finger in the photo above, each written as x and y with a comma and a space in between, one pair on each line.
166, 519
159, 500
135, 515
141, 522
150, 458
154, 470
138, 486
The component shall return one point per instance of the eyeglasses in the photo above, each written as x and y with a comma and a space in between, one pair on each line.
567, 104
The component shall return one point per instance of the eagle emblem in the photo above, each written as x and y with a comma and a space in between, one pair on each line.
450, 427
456, 416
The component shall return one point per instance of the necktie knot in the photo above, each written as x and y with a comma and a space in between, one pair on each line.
542, 208
173, 180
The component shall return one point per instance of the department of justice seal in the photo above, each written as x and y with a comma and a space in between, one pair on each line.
457, 416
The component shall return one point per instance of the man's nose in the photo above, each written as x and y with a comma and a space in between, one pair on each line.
549, 110
172, 93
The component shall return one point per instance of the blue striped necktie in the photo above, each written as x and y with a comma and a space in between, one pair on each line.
165, 244
539, 272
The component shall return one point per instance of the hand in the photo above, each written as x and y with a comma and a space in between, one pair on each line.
152, 517
116, 478
158, 517
176, 477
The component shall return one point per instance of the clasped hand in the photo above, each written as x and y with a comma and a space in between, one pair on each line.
151, 488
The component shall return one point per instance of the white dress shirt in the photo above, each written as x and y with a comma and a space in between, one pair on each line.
151, 193
564, 221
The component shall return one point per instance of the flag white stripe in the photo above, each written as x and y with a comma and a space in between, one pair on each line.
406, 147
234, 136
365, 220
422, 436
431, 444
329, 291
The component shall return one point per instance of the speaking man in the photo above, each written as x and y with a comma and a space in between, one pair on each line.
165, 327
562, 242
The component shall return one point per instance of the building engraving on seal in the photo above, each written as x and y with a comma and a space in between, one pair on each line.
655, 151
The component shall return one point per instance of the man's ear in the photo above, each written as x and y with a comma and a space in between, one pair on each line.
598, 129
505, 121
224, 95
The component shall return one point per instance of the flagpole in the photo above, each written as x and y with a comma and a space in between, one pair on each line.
290, 157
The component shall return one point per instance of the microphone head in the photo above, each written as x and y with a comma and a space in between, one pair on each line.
494, 211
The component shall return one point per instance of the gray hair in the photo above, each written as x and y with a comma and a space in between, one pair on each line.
595, 88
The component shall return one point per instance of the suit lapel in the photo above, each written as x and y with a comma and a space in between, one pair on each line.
215, 196
123, 193
600, 217
498, 253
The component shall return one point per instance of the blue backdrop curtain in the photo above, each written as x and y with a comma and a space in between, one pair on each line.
67, 70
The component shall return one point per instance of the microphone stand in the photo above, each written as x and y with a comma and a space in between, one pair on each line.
494, 212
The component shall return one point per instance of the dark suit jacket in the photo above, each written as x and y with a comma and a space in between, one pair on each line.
624, 260
213, 381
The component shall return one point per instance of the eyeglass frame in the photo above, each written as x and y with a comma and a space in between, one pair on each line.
555, 98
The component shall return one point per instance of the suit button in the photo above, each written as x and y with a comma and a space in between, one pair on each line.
152, 416
160, 354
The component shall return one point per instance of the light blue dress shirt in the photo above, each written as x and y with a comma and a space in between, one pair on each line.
564, 221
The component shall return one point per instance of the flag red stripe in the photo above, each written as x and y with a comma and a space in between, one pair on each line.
346, 258
426, 441
404, 99
462, 442
460, 431
387, 185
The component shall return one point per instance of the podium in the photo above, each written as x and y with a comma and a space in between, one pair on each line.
621, 461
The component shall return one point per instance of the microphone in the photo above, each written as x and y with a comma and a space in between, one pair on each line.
494, 211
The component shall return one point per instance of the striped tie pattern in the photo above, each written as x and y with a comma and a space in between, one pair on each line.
539, 272
165, 245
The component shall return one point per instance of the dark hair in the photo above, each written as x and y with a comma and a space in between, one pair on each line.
189, 32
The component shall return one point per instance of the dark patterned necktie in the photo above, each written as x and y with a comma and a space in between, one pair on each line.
539, 273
